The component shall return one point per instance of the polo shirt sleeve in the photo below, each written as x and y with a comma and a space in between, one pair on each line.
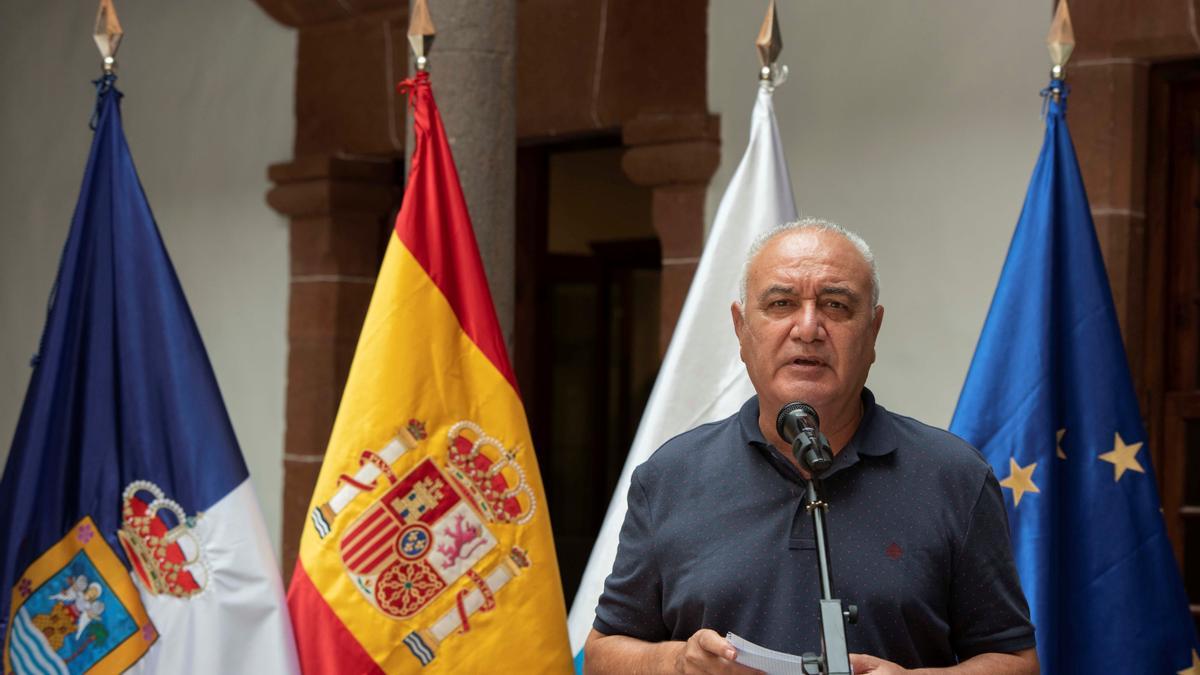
632, 600
988, 612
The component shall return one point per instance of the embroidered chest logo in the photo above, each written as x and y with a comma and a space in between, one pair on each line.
893, 551
432, 528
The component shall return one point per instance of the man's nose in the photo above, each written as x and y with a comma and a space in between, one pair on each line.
807, 326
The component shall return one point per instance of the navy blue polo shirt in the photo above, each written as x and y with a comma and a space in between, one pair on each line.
717, 537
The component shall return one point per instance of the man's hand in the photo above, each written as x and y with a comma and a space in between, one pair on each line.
708, 652
704, 652
864, 664
1024, 662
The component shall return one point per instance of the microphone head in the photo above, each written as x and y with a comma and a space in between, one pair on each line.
794, 417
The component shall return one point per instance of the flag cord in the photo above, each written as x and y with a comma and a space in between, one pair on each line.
1059, 87
408, 87
103, 86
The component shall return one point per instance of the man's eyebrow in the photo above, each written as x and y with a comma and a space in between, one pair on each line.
777, 289
840, 290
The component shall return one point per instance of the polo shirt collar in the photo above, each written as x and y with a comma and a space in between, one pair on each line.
873, 438
748, 419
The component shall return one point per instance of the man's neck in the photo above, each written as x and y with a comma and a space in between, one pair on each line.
839, 430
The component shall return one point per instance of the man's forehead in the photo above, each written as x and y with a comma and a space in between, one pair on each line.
826, 254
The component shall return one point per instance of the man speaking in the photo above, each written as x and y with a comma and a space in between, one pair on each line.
717, 538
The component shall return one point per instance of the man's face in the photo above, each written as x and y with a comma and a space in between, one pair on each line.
807, 332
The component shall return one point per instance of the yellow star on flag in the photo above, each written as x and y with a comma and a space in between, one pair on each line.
1058, 451
1195, 669
1123, 458
1020, 480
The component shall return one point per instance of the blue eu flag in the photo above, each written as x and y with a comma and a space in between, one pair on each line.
1050, 403
122, 443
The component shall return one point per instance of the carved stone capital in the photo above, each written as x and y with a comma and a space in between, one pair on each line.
682, 149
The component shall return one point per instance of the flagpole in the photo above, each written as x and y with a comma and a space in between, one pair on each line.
421, 33
107, 34
1061, 42
769, 44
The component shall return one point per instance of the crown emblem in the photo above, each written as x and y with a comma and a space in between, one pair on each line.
489, 473
417, 428
160, 542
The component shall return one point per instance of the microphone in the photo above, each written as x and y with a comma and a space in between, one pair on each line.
799, 424
794, 418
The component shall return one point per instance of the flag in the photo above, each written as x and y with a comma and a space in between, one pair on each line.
428, 547
702, 378
1050, 402
130, 536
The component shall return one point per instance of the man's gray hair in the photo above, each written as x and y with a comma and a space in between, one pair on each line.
818, 225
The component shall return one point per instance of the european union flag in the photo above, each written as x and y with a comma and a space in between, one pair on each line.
1050, 403
129, 532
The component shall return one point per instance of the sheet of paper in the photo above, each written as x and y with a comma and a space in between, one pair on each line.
769, 661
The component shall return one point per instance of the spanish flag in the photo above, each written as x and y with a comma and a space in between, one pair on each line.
428, 546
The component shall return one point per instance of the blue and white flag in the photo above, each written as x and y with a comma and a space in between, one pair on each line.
130, 536
1050, 402
702, 378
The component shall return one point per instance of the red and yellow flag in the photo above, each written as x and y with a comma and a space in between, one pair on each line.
428, 546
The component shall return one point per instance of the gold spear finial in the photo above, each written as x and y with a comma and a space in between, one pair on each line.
1060, 40
107, 34
769, 43
421, 32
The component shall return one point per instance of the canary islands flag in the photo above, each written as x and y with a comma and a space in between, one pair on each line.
130, 536
428, 547
1050, 402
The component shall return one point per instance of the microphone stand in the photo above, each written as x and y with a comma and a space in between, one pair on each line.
813, 452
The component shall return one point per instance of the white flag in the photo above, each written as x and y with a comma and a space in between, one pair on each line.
702, 377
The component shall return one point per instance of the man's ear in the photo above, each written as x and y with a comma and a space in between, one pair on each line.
876, 324
739, 319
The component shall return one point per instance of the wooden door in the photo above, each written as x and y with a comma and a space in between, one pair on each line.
1171, 363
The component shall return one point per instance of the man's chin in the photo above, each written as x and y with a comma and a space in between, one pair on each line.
812, 393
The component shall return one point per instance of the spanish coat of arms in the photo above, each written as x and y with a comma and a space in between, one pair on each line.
431, 527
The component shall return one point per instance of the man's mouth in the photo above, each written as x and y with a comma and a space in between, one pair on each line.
807, 361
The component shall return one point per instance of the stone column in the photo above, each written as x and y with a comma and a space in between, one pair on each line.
675, 155
1110, 73
1107, 115
472, 68
1117, 42
340, 192
339, 210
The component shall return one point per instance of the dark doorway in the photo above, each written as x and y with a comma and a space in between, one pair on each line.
1172, 364
588, 269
